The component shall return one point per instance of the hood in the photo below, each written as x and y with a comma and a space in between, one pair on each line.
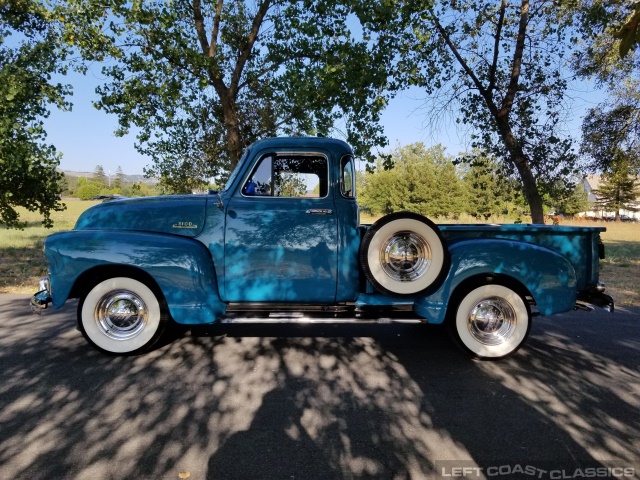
175, 214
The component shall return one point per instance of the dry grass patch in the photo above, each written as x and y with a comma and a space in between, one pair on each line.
21, 261
620, 270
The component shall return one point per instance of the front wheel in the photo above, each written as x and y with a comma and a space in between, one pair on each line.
490, 322
122, 315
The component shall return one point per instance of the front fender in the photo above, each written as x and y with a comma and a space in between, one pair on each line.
181, 267
547, 275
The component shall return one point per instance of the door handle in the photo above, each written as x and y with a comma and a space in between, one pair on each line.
320, 211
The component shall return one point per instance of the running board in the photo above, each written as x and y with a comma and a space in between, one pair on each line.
228, 319
261, 313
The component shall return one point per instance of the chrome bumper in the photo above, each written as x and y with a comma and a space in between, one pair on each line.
41, 300
595, 296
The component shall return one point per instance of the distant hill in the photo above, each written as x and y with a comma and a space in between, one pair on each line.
127, 178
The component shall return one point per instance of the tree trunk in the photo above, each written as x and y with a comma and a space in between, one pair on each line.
530, 189
234, 143
522, 164
233, 137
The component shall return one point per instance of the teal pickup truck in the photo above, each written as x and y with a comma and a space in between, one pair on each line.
284, 236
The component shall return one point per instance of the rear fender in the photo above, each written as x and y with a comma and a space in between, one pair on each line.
547, 275
181, 268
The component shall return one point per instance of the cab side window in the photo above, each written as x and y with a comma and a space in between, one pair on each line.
259, 183
347, 178
289, 176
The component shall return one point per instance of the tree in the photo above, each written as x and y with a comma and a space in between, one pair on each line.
292, 185
629, 33
99, 176
89, 189
423, 180
69, 185
181, 180
28, 175
119, 180
570, 201
499, 65
608, 31
489, 191
202, 80
143, 190
612, 129
619, 189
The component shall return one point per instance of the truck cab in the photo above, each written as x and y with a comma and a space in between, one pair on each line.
290, 224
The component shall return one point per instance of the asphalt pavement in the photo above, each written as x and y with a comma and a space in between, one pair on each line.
317, 401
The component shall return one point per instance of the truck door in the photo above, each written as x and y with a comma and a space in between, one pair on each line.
281, 233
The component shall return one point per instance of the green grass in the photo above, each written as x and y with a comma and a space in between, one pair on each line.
22, 262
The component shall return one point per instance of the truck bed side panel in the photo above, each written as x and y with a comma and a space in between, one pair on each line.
579, 245
547, 275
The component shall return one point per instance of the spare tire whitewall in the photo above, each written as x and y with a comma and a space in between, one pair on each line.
404, 254
122, 315
490, 322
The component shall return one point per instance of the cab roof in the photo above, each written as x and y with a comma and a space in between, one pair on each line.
332, 144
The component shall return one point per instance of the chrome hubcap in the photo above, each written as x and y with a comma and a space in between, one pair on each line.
492, 321
121, 315
405, 256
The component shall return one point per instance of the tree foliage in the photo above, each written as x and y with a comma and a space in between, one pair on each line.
29, 56
119, 180
608, 31
99, 176
89, 189
490, 192
629, 33
423, 180
498, 65
568, 200
202, 80
611, 131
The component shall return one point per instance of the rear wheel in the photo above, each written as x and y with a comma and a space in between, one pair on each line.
490, 322
403, 254
122, 315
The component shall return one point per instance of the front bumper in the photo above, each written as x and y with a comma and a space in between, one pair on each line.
595, 296
41, 300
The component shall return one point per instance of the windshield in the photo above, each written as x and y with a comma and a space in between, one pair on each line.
236, 170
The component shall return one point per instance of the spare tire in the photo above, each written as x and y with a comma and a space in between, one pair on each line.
403, 254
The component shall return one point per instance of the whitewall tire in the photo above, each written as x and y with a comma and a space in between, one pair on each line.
121, 315
404, 254
490, 322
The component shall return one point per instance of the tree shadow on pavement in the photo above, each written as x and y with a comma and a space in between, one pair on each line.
307, 401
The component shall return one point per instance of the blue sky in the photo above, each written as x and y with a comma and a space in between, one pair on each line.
85, 135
